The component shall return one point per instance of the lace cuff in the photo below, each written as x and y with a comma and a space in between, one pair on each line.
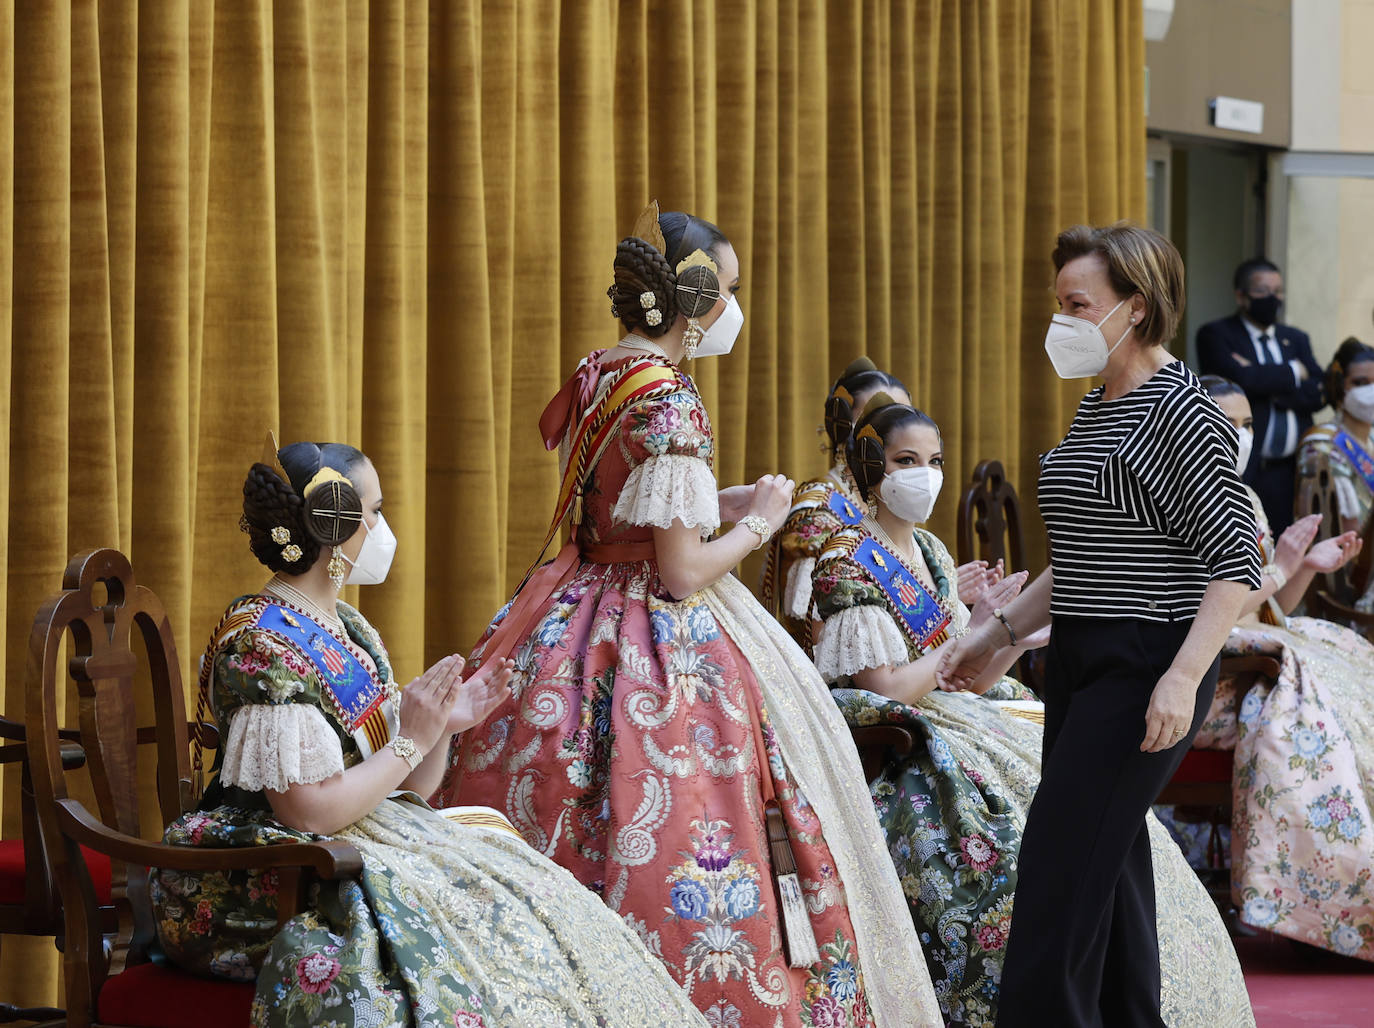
276, 745
857, 638
669, 486
796, 597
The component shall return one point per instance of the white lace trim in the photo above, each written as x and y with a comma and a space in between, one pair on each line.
1347, 502
276, 745
796, 597
859, 638
667, 487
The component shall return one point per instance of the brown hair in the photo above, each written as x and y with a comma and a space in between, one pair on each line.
1138, 260
1348, 354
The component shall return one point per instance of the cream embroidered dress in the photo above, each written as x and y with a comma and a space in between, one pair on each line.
450, 925
1302, 833
645, 735
954, 810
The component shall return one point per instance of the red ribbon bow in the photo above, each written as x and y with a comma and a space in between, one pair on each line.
570, 402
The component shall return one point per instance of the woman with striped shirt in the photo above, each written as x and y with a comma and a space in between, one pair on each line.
1153, 552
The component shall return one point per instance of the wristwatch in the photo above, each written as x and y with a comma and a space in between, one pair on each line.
406, 749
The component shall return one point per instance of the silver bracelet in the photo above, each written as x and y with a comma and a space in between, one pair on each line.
759, 526
1276, 573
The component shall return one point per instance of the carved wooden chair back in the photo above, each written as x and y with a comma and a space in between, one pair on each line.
990, 513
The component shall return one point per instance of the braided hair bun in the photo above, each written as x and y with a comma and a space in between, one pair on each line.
270, 505
641, 272
289, 521
866, 451
859, 378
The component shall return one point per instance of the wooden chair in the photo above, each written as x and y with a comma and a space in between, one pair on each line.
990, 511
1333, 596
28, 898
880, 744
112, 981
1203, 779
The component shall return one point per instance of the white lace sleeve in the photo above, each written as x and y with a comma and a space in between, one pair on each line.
275, 745
668, 486
796, 597
857, 638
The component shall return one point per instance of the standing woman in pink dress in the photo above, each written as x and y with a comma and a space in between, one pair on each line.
666, 740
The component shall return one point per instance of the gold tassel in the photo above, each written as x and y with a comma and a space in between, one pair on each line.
797, 933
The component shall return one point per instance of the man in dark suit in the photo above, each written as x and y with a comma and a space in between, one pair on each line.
1273, 363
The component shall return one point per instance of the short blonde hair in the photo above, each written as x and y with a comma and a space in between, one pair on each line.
1138, 260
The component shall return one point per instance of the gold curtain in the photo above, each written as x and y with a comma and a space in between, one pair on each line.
392, 224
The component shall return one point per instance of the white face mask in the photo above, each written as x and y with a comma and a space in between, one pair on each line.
1077, 347
910, 493
374, 556
1359, 402
1247, 443
720, 337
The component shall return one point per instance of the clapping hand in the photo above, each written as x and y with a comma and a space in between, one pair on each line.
1332, 554
772, 499
477, 697
996, 596
975, 578
1293, 544
735, 501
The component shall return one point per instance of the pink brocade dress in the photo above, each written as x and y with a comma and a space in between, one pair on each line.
638, 750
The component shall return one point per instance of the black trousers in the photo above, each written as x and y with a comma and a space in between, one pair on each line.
1274, 482
1083, 951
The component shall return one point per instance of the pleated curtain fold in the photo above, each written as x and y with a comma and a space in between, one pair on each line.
392, 224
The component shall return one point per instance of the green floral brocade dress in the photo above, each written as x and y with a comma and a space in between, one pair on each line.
450, 924
954, 810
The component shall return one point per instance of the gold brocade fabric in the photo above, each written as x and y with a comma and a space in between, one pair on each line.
393, 223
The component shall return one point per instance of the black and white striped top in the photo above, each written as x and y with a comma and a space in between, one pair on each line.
1143, 504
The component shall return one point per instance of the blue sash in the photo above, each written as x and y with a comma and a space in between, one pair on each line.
355, 693
843, 509
1357, 456
917, 610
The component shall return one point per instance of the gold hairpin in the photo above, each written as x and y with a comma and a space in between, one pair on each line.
270, 458
321, 477
697, 258
647, 229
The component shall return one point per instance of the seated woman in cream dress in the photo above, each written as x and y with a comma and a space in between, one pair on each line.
452, 924
954, 809
1302, 838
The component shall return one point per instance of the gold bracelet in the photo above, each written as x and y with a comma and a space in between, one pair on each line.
1276, 573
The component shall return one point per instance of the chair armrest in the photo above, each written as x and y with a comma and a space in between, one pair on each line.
893, 737
72, 755
1251, 663
328, 858
1334, 609
11, 730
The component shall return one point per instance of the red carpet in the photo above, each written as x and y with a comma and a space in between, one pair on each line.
1293, 987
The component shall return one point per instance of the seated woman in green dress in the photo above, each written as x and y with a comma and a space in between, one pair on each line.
954, 809
455, 922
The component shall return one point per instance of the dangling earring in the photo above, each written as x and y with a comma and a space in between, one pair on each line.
691, 336
337, 568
